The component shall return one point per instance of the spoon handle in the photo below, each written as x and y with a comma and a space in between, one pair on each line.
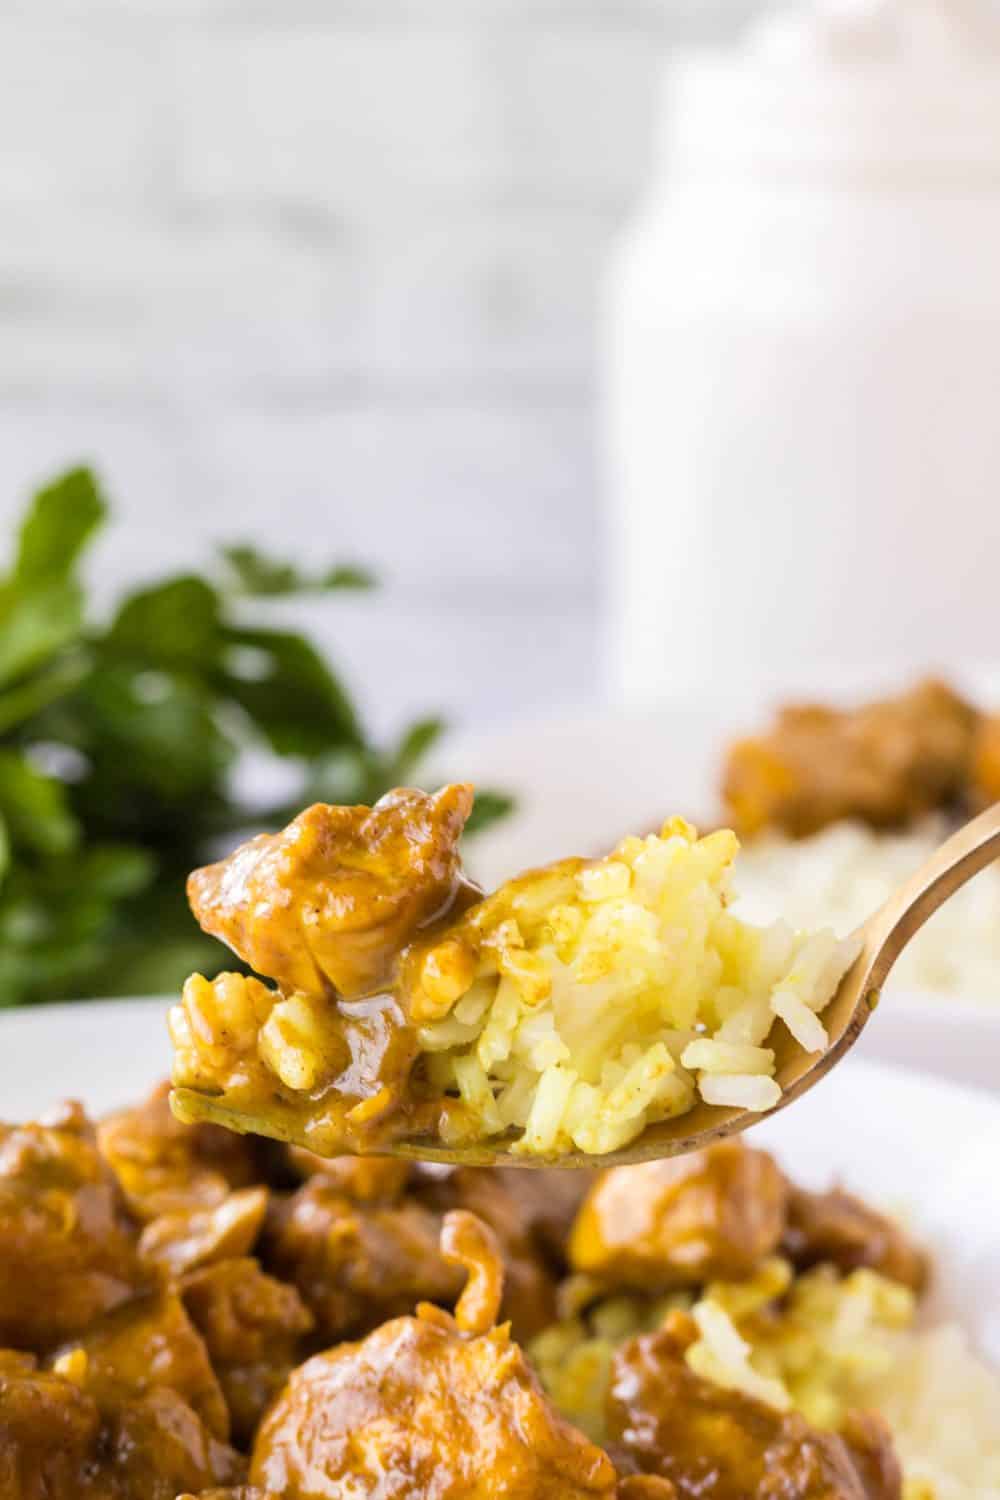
964, 854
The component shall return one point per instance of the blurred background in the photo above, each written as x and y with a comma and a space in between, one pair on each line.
326, 276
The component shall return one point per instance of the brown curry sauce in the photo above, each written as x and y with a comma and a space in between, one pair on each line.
315, 1350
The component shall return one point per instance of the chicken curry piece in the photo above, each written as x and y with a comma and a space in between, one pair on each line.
835, 1228
64, 1226
711, 1216
360, 1237
886, 763
713, 1444
444, 1404
331, 909
329, 903
718, 1214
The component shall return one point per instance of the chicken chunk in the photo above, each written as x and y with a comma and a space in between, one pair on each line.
67, 1245
885, 763
430, 1407
154, 1446
190, 1185
711, 1215
549, 1200
73, 1434
149, 1344
839, 1228
715, 1444
165, 1167
361, 1244
49, 1432
327, 904
327, 908
353, 1263
252, 1326
198, 1237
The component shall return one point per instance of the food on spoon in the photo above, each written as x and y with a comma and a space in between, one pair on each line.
885, 763
570, 1009
728, 1338
328, 904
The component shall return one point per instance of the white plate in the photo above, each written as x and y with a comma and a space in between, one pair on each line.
106, 1053
582, 781
907, 1141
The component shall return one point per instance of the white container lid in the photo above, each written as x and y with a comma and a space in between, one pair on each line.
882, 87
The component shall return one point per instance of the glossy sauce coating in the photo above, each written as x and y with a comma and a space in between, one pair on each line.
63, 1226
253, 1326
166, 1355
357, 1264
61, 1441
329, 908
723, 1445
709, 1216
447, 1407
165, 1167
360, 1240
363, 919
838, 1229
330, 901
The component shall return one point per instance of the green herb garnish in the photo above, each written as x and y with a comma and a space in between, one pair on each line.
119, 745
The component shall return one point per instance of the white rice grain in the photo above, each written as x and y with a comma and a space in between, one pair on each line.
727, 1057
805, 1026
740, 1091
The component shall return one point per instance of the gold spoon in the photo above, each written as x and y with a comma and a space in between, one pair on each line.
883, 938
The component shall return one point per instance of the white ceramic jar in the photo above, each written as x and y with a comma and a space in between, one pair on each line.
803, 360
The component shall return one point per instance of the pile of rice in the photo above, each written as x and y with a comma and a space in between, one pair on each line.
842, 875
608, 995
827, 1345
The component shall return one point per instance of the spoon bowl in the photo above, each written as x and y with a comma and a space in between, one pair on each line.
882, 939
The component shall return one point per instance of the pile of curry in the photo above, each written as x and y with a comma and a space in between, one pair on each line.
186, 1312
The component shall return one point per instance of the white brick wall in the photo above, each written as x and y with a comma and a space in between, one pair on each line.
324, 273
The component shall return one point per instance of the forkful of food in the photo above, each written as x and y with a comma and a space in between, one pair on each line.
593, 1012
